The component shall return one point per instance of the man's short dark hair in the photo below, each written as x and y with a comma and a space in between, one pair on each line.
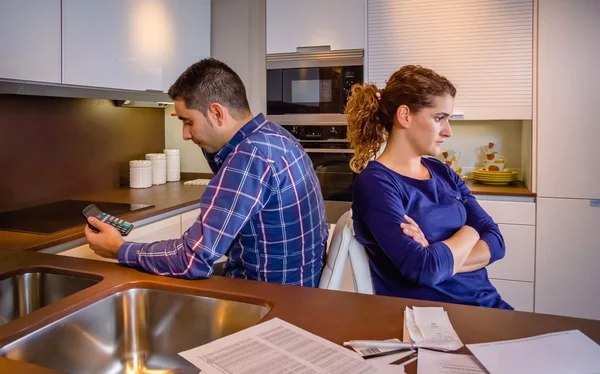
211, 81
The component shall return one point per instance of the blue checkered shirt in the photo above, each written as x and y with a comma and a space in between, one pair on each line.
264, 206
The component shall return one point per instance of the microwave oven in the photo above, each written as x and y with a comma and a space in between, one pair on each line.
311, 86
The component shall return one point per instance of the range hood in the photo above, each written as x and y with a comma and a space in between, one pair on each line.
126, 98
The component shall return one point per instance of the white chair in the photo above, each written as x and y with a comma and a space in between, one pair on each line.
344, 246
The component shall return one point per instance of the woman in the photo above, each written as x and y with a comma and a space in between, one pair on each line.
426, 236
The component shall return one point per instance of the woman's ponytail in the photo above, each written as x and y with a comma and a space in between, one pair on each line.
365, 130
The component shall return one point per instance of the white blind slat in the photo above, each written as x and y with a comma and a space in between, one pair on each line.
485, 47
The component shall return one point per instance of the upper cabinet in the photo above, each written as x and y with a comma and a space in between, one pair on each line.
136, 44
308, 23
484, 47
568, 81
30, 43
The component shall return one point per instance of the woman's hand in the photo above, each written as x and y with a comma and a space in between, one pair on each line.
414, 231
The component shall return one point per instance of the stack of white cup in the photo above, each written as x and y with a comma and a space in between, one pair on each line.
140, 174
159, 167
173, 165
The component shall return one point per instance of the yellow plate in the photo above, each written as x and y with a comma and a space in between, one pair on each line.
494, 183
503, 177
494, 180
495, 173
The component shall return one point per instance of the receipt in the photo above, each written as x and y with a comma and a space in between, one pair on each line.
431, 328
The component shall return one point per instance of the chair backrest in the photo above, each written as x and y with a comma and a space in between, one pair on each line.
337, 255
361, 272
344, 246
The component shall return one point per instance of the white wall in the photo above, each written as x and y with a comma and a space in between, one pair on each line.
238, 38
192, 160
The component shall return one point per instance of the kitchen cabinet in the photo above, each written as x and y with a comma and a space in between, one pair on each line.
484, 47
136, 45
30, 42
518, 263
337, 23
567, 258
518, 294
510, 212
514, 275
568, 81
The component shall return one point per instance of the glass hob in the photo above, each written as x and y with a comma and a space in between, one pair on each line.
59, 216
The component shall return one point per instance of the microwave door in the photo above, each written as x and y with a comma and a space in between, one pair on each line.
311, 90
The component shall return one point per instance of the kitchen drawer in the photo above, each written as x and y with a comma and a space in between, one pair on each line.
188, 218
519, 261
511, 212
517, 294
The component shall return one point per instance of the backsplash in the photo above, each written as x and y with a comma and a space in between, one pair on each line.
469, 136
54, 148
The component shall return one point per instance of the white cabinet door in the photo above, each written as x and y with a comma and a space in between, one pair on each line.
169, 228
30, 43
511, 212
484, 47
188, 218
337, 23
567, 278
135, 44
518, 263
568, 81
187, 37
518, 294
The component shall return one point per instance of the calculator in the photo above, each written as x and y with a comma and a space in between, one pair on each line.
92, 210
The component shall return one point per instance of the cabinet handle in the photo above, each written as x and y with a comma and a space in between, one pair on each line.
315, 48
595, 203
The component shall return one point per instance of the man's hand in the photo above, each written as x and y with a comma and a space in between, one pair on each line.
105, 243
414, 231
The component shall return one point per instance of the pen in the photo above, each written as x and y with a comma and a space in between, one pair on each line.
382, 344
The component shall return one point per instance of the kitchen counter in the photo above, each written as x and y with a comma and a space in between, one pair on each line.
336, 316
175, 196
515, 189
165, 198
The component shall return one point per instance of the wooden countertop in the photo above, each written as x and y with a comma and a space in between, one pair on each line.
336, 316
516, 188
165, 198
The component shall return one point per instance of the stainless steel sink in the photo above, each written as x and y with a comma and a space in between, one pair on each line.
22, 294
135, 331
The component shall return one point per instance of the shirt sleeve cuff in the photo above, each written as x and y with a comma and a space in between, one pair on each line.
445, 262
128, 254
496, 250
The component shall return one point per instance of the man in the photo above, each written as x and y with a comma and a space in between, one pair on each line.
264, 206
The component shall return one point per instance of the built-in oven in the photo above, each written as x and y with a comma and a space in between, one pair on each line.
311, 85
330, 153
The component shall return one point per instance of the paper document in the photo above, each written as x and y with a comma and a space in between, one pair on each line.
431, 362
279, 347
561, 352
431, 328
